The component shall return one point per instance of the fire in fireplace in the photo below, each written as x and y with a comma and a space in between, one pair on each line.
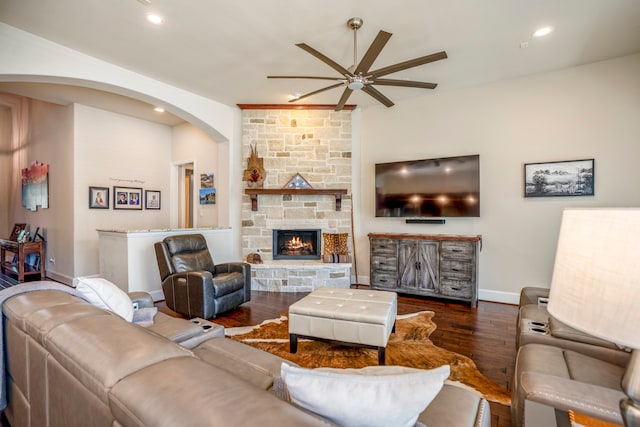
296, 244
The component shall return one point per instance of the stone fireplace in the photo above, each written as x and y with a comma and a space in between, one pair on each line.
296, 244
316, 144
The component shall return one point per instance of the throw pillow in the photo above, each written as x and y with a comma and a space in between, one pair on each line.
104, 294
368, 397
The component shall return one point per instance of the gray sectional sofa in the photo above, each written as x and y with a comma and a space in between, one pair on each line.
559, 368
70, 364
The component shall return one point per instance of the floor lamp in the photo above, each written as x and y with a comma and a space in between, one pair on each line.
596, 285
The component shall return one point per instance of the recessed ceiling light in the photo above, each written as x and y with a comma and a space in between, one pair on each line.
155, 19
544, 31
159, 110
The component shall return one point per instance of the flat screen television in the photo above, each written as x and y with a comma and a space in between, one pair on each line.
429, 188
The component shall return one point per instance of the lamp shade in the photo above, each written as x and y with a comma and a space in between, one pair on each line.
596, 277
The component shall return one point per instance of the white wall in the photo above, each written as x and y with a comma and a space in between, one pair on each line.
190, 144
42, 132
116, 150
5, 166
27, 57
591, 111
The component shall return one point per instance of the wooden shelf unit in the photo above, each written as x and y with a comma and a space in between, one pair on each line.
22, 250
255, 192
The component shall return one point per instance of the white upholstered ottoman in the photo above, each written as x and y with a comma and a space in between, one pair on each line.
351, 316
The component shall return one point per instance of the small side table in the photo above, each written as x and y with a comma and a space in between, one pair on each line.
22, 250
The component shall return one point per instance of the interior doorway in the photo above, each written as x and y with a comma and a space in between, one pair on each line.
186, 198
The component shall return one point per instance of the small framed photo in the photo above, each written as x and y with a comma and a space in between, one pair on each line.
565, 178
17, 229
98, 197
127, 198
151, 199
207, 196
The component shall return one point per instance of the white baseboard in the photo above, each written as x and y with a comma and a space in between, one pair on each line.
59, 277
499, 296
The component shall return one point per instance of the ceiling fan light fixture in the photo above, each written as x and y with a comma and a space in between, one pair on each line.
358, 76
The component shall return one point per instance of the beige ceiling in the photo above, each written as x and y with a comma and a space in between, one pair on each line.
225, 49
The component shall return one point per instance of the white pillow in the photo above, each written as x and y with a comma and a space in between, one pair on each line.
104, 294
374, 396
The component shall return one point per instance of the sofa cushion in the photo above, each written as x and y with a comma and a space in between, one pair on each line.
227, 283
102, 350
368, 397
189, 252
251, 364
186, 391
104, 294
19, 308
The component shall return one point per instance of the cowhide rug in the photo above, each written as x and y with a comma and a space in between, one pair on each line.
409, 346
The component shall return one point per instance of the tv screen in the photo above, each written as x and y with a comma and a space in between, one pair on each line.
445, 187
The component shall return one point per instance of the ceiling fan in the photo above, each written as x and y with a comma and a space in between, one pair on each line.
358, 77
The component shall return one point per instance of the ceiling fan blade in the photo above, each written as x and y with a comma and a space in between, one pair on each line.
408, 64
316, 91
404, 83
372, 53
343, 99
370, 90
339, 68
305, 77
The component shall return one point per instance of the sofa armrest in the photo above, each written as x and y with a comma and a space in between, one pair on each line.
239, 267
143, 299
530, 295
457, 405
565, 394
190, 293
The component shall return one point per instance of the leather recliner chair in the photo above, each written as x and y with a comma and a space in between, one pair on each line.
559, 368
193, 285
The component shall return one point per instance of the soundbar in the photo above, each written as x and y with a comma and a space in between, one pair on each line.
425, 220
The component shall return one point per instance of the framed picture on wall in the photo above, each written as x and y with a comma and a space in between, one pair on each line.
565, 178
127, 198
207, 196
98, 197
151, 199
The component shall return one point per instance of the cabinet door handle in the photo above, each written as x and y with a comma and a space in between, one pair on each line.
456, 269
456, 250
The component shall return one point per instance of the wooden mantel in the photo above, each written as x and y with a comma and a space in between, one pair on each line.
254, 192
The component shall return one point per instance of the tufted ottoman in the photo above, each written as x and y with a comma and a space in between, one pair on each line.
352, 316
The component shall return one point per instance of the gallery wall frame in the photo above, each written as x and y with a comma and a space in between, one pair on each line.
207, 196
128, 198
98, 197
152, 199
560, 178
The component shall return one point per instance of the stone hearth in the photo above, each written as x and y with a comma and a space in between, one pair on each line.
299, 276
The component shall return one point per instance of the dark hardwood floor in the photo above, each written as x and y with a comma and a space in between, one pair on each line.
486, 334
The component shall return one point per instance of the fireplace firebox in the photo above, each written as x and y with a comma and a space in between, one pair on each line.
296, 244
